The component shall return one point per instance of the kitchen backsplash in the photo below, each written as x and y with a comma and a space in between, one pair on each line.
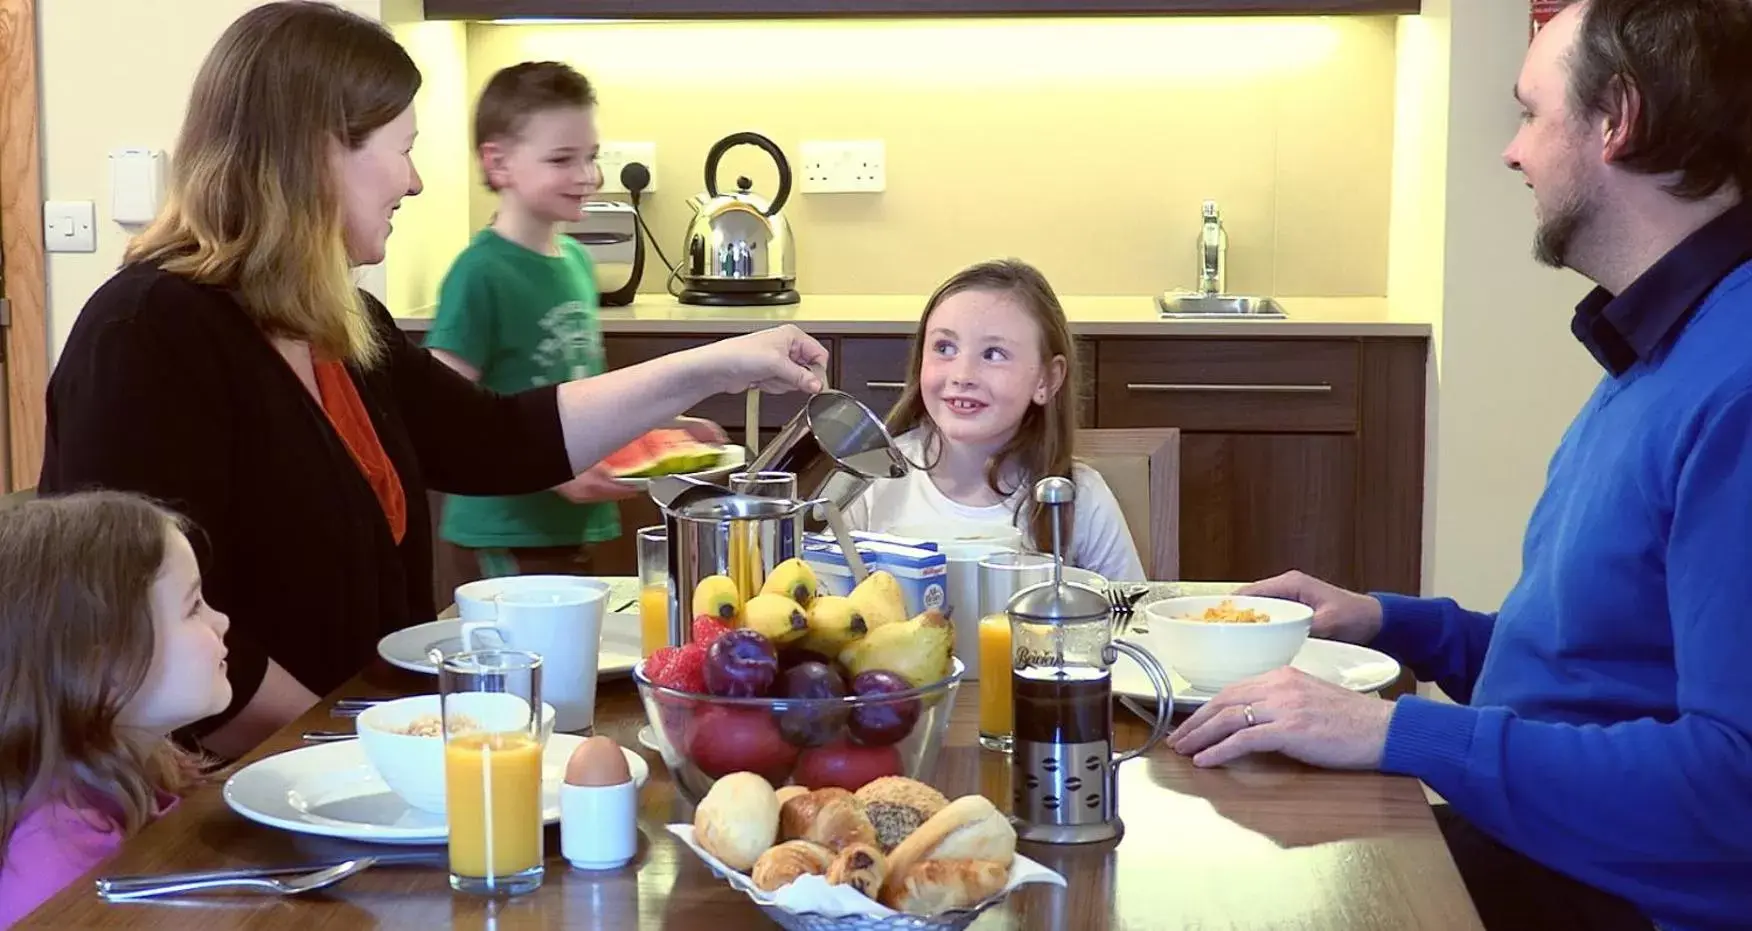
1085, 146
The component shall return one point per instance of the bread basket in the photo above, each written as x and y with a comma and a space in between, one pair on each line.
846, 910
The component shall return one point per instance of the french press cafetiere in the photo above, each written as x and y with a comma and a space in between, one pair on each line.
1063, 768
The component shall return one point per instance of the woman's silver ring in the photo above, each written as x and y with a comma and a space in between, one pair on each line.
1247, 712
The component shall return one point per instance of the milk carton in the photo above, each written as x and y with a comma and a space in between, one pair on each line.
923, 573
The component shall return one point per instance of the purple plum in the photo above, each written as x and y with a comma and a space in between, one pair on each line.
882, 723
741, 664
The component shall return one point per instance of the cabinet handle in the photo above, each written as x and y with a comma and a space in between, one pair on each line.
885, 385
1156, 388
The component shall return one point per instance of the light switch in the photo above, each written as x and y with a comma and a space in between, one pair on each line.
70, 226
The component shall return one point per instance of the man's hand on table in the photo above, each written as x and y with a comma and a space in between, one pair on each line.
1293, 713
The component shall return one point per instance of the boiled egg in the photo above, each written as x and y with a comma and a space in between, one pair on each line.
598, 761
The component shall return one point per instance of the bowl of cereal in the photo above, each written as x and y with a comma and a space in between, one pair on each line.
404, 739
1212, 641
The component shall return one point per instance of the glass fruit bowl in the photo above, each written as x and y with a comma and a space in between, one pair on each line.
813, 742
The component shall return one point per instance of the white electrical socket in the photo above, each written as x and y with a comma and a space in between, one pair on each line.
853, 166
615, 155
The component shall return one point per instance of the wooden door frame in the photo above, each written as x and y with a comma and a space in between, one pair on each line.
21, 243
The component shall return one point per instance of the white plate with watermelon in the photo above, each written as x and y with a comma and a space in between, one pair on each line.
674, 452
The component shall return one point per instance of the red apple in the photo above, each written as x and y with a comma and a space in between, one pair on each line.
725, 740
847, 765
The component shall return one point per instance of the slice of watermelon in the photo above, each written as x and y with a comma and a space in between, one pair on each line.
662, 452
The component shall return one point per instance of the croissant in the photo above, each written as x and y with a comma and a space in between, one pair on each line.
789, 860
840, 823
797, 810
861, 866
936, 886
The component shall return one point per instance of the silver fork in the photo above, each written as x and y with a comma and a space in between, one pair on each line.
1124, 604
124, 890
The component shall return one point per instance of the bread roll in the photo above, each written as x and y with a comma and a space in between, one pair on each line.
789, 860
897, 806
787, 793
970, 828
840, 823
937, 886
738, 820
861, 866
798, 810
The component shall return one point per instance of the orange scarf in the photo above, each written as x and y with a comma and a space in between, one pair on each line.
346, 411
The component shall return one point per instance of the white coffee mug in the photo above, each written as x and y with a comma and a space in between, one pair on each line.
564, 626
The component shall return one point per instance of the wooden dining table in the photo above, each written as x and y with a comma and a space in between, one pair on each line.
1261, 843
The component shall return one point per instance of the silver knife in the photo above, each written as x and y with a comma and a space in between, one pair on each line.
111, 885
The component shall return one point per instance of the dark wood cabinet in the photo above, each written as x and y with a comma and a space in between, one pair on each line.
1296, 453
753, 9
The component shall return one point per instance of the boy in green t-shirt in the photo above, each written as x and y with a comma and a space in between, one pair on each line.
518, 309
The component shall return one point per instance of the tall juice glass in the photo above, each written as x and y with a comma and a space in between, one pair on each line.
653, 589
1001, 576
491, 701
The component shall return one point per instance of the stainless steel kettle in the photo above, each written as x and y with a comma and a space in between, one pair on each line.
739, 249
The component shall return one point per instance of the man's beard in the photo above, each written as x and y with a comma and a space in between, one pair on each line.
1557, 231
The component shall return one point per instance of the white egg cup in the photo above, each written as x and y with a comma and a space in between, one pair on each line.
599, 825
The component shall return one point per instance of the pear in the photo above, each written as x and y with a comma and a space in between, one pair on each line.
879, 599
792, 578
834, 622
917, 650
716, 596
775, 617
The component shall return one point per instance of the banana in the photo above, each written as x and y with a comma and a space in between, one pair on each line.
834, 622
917, 650
716, 596
794, 579
775, 617
879, 599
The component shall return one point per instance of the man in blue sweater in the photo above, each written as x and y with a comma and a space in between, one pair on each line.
1598, 769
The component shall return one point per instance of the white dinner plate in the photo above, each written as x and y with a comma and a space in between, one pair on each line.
331, 790
733, 459
1359, 669
406, 648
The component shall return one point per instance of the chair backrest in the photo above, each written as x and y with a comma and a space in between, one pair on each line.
1142, 467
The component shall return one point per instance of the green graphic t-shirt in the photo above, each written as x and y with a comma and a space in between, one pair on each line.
524, 320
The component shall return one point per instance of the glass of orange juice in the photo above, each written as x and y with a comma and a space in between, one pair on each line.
491, 707
996, 713
1001, 576
653, 589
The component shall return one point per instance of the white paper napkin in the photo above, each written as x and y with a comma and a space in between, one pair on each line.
815, 894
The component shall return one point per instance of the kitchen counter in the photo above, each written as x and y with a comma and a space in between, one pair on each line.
898, 314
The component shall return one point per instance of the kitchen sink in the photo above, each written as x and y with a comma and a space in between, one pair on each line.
1186, 305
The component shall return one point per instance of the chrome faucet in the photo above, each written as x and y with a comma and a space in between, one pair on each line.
1213, 249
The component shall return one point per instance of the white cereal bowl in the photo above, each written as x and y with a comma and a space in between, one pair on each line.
474, 600
413, 766
1210, 655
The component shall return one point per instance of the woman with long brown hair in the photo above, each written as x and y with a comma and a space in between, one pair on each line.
232, 369
106, 646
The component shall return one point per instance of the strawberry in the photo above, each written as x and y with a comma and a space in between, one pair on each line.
707, 628
688, 671
661, 662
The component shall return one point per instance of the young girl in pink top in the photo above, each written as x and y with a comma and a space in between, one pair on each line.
106, 646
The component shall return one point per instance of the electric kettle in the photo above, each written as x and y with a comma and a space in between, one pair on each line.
739, 251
